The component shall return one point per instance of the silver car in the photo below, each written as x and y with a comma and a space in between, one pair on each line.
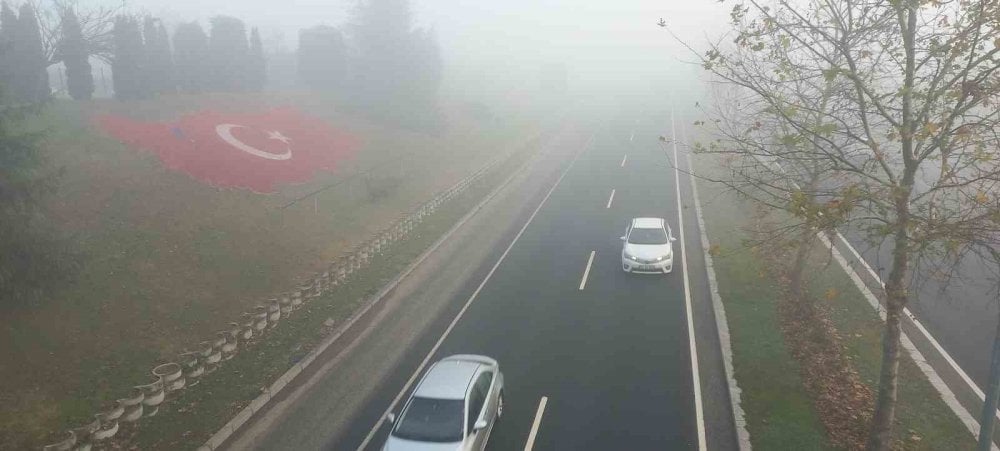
454, 407
647, 246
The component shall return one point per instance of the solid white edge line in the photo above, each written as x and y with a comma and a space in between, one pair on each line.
926, 333
721, 321
611, 198
624, 158
948, 396
534, 425
378, 424
586, 272
695, 374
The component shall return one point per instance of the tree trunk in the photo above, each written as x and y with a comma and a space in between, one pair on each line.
799, 263
880, 437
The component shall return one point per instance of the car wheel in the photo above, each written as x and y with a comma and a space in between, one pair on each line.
500, 405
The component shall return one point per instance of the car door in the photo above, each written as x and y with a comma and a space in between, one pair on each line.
479, 410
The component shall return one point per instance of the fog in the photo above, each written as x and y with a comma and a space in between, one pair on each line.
500, 50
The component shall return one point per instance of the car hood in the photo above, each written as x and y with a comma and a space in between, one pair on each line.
398, 444
648, 251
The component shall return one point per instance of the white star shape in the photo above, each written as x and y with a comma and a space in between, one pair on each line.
278, 136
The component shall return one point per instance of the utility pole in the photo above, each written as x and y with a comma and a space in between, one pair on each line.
988, 417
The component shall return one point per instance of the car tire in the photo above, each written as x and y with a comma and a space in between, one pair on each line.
500, 405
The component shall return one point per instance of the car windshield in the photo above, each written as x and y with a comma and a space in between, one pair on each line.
647, 236
431, 420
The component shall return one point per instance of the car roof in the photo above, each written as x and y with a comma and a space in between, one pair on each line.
648, 223
448, 379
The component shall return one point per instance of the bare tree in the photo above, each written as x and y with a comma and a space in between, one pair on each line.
96, 23
884, 113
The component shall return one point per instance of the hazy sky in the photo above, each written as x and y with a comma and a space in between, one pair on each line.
606, 45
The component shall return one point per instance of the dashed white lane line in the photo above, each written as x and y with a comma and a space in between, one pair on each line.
413, 378
631, 137
534, 426
695, 375
586, 272
611, 198
624, 158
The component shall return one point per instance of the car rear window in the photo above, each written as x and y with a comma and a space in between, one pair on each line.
432, 420
647, 236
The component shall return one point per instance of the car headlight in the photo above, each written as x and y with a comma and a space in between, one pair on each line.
629, 256
660, 259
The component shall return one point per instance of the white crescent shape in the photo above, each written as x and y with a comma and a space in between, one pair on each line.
225, 132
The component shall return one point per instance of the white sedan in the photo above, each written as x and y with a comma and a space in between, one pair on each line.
647, 246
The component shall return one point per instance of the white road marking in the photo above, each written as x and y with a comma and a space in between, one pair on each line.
624, 157
586, 272
611, 198
378, 424
534, 426
698, 410
632, 136
721, 322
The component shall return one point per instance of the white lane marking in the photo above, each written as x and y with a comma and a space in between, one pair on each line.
586, 272
624, 158
721, 321
534, 426
632, 136
378, 424
611, 198
906, 311
932, 374
698, 411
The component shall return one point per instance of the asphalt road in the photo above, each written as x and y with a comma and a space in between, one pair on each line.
611, 352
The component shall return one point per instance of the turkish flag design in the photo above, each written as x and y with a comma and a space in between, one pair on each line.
254, 151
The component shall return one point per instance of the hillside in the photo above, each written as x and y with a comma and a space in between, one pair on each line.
164, 258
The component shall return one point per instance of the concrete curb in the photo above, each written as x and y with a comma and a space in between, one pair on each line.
721, 324
241, 418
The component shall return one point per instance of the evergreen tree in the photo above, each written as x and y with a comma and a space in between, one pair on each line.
322, 58
228, 54
382, 31
158, 65
8, 24
31, 80
74, 54
191, 58
127, 63
257, 72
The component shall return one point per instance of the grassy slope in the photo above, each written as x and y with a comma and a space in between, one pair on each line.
780, 414
166, 261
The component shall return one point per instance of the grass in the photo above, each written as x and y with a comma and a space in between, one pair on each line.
188, 420
166, 261
780, 413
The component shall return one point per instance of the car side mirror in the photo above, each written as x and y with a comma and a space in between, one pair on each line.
623, 238
673, 239
391, 418
480, 425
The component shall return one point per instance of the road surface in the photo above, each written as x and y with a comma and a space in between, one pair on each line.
535, 281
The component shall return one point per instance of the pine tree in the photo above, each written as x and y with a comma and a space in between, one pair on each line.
8, 24
191, 58
31, 82
257, 72
74, 54
228, 54
127, 63
158, 63
322, 58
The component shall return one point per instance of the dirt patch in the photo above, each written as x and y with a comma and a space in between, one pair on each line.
843, 401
